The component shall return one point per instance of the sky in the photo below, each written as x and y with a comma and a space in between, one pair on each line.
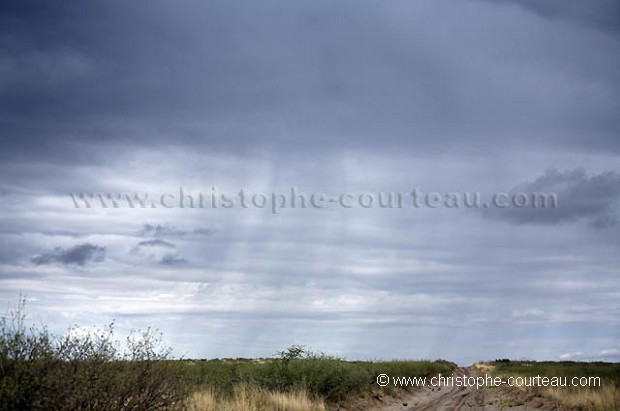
153, 97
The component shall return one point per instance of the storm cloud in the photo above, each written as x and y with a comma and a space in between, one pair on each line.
81, 255
172, 259
141, 98
580, 196
602, 14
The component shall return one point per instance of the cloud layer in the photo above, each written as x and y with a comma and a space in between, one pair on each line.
330, 97
78, 255
593, 198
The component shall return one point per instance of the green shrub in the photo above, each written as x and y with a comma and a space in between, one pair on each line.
296, 368
40, 371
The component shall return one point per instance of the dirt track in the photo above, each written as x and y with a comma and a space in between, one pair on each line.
460, 398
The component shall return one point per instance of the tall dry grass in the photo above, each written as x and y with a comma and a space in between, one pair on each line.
606, 398
603, 398
247, 398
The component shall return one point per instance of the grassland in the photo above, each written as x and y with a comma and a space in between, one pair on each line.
78, 372
90, 371
605, 397
297, 376
327, 377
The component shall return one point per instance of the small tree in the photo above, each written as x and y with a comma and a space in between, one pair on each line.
285, 357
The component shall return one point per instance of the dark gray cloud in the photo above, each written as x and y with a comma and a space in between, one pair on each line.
311, 75
328, 96
594, 198
601, 14
172, 259
81, 255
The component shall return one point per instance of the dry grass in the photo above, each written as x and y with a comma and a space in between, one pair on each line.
484, 368
202, 401
297, 401
253, 399
606, 398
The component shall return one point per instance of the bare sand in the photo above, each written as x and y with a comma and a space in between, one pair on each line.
457, 399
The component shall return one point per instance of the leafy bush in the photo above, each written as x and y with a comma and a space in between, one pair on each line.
84, 371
